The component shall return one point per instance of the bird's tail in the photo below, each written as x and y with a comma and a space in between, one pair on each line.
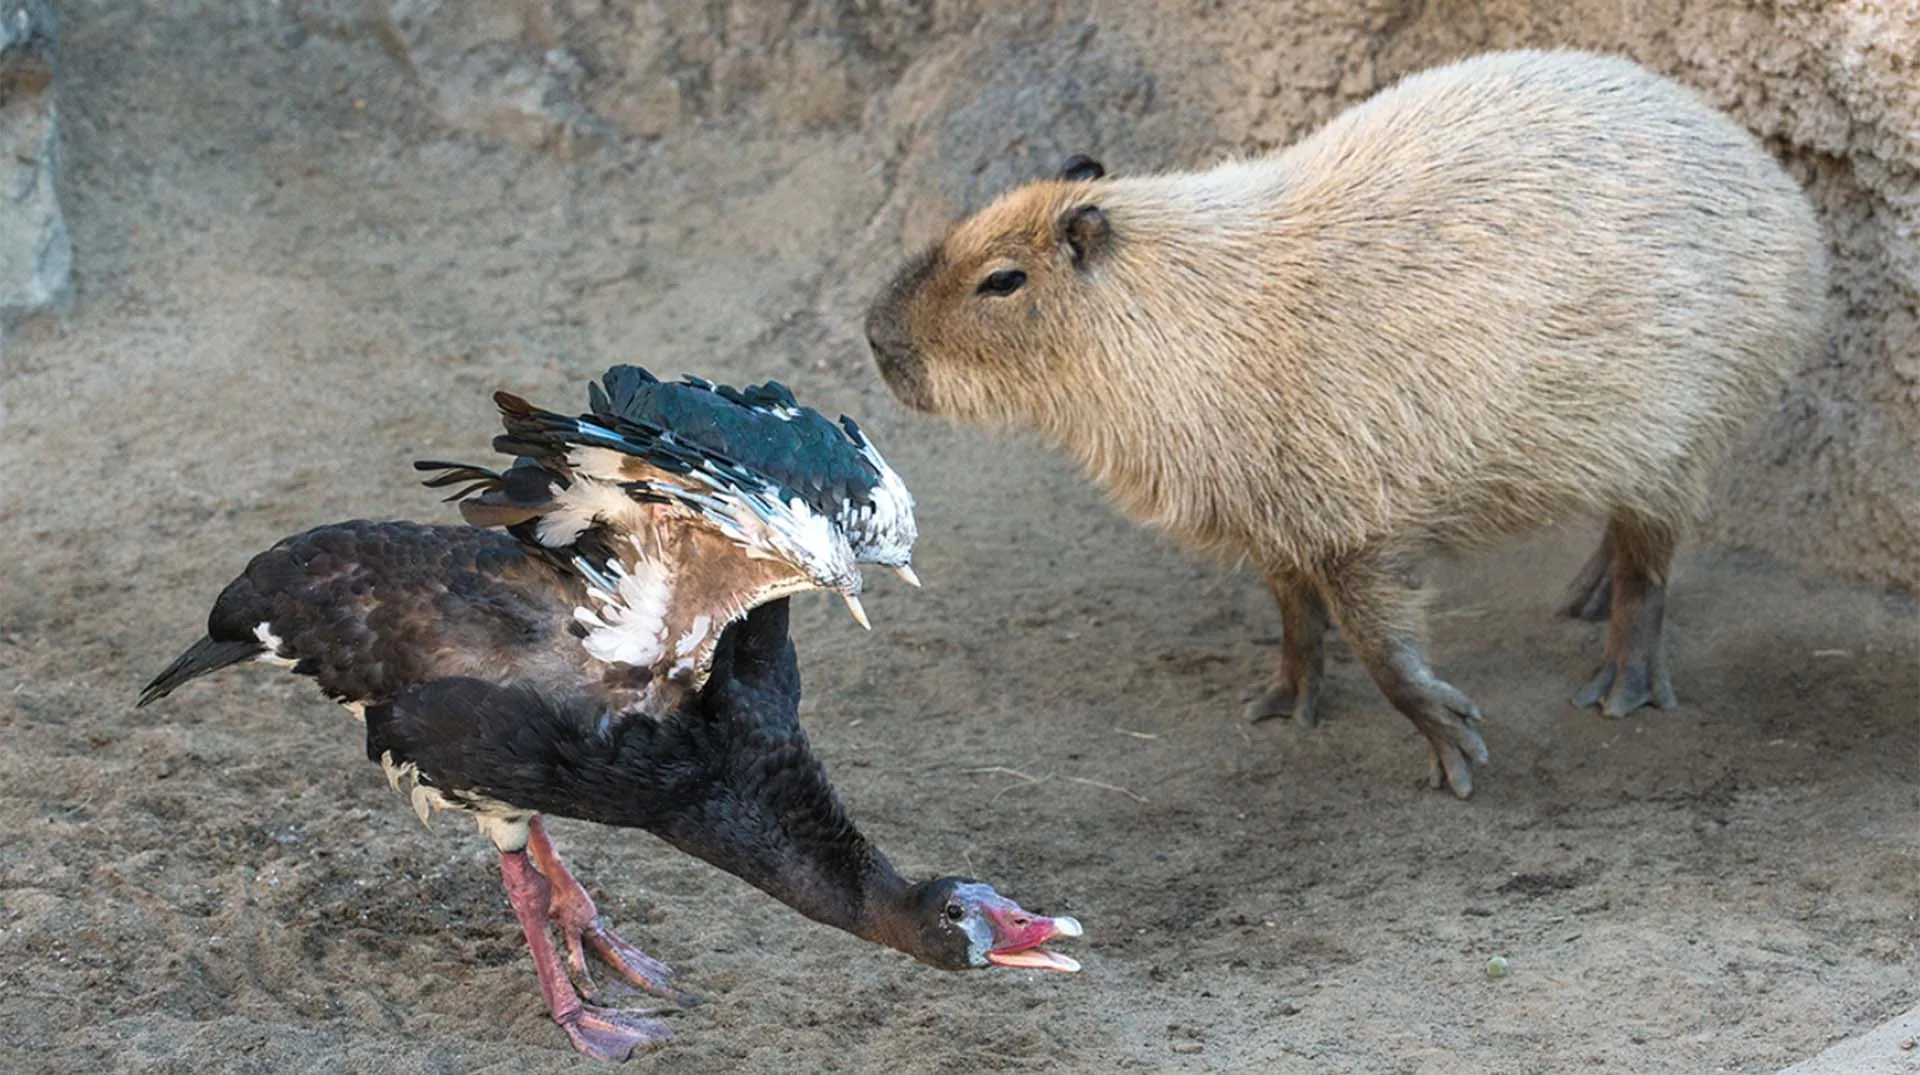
202, 657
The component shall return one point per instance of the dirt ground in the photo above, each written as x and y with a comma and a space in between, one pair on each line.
290, 286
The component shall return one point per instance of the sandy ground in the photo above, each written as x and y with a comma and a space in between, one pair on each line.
286, 298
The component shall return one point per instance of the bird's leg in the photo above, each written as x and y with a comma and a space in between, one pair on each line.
602, 1033
582, 928
1635, 672
1295, 689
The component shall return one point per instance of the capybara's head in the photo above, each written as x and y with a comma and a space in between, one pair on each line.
992, 323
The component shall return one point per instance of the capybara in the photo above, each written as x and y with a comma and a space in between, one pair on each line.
1522, 288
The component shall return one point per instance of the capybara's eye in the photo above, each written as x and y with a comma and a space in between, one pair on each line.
1004, 282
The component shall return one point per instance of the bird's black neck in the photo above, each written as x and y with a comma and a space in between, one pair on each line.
729, 777
850, 888
742, 791
773, 820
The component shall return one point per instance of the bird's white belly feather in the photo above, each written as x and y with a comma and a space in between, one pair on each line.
499, 822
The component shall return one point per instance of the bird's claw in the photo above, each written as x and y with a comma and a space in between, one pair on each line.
613, 1034
631, 963
573, 910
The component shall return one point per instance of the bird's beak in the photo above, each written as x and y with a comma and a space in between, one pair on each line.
1017, 936
905, 571
859, 614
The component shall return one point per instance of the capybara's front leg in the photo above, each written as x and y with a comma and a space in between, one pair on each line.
1375, 600
1295, 689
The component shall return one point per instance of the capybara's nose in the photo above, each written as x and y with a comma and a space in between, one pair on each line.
879, 322
886, 340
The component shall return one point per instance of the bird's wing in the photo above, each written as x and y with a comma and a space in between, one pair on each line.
880, 525
672, 541
665, 607
732, 756
605, 461
371, 608
763, 428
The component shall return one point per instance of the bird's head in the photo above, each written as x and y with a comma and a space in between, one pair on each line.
955, 923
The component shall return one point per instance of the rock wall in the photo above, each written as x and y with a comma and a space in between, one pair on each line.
957, 99
35, 253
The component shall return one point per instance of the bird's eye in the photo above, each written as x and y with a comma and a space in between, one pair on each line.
1004, 282
955, 912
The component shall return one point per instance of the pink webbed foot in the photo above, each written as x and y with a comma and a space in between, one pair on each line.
583, 930
602, 1033
612, 1034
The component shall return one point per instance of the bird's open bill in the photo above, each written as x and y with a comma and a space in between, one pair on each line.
1018, 935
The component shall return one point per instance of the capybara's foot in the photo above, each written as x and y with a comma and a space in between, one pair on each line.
1282, 699
1295, 689
1450, 721
1626, 683
1376, 601
1634, 675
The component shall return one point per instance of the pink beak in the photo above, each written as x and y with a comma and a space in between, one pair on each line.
1018, 935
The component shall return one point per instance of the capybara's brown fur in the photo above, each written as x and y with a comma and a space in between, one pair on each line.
1519, 289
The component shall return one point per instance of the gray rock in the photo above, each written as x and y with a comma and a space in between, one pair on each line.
495, 68
36, 254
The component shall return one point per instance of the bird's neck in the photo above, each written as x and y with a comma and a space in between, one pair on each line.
820, 866
746, 794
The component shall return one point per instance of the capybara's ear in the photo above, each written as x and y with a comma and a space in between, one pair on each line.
1085, 229
1080, 166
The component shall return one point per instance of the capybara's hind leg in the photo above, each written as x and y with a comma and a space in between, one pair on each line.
1376, 603
1635, 673
1590, 597
1295, 690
